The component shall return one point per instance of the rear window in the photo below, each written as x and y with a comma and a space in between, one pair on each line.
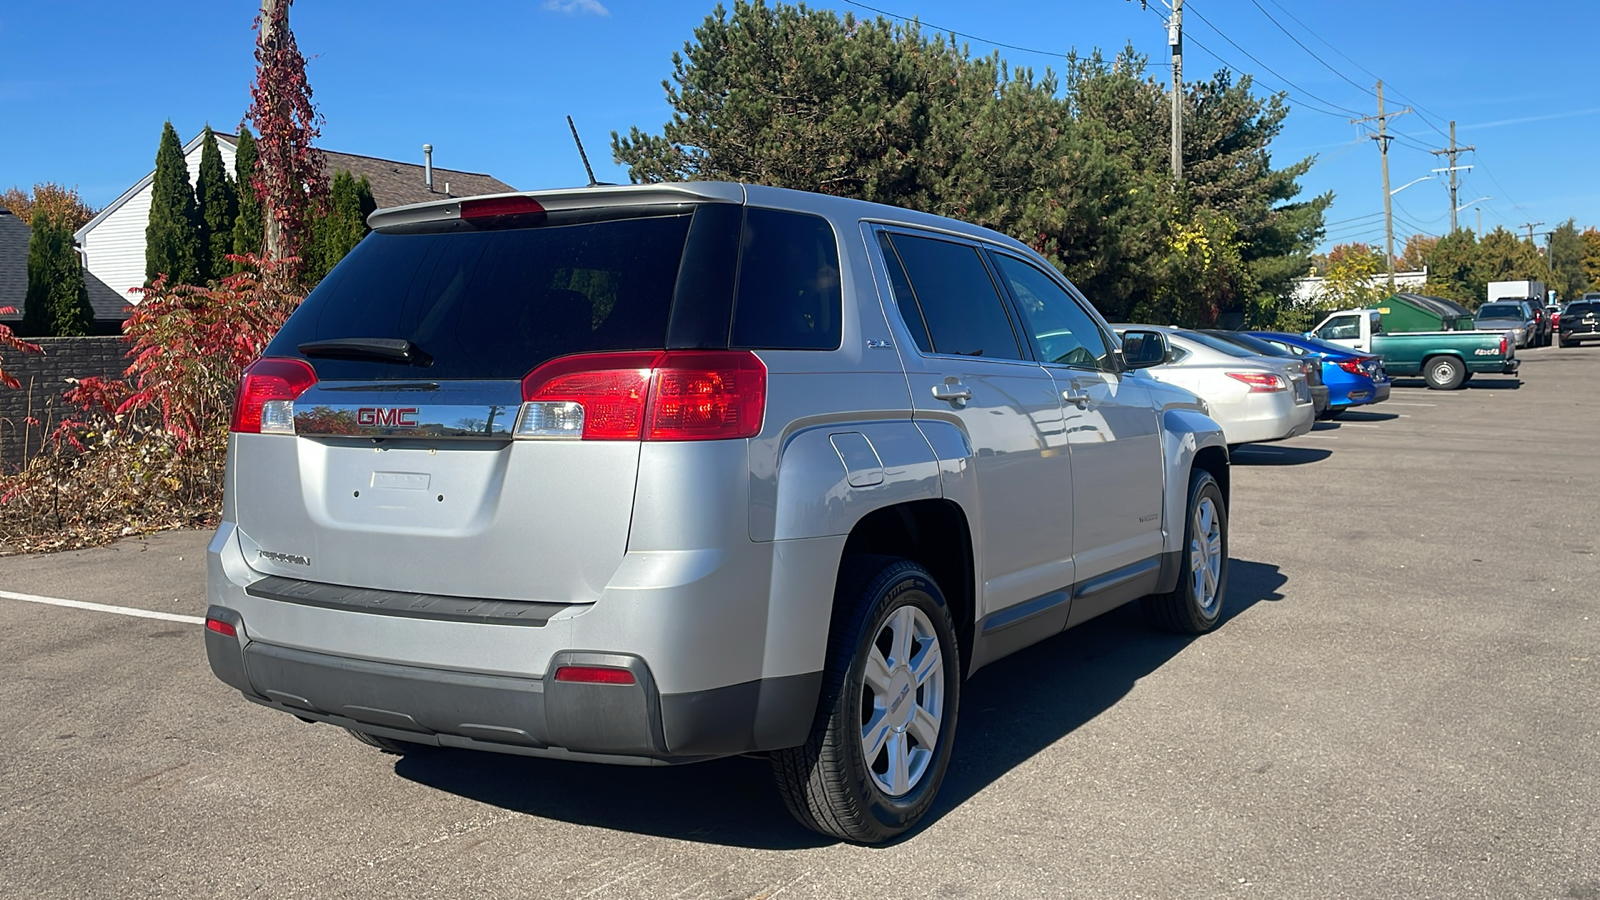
494, 304
1250, 342
1500, 311
1581, 309
1218, 344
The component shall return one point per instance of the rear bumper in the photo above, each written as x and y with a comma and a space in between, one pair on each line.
1258, 418
1510, 367
533, 716
725, 646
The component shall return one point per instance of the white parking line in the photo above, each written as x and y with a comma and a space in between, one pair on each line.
101, 607
1401, 403
1357, 425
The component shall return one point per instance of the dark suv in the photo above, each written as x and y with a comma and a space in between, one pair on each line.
1580, 322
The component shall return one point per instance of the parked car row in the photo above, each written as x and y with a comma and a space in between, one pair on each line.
1267, 386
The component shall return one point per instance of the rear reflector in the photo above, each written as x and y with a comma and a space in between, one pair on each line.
494, 207
220, 627
594, 675
672, 395
1261, 382
265, 401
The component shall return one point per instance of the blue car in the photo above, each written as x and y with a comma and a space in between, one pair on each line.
1353, 378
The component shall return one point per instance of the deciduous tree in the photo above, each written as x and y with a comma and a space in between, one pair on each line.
1591, 257
63, 202
1418, 249
218, 206
172, 237
1452, 268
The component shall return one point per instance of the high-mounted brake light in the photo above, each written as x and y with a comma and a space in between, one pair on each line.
267, 390
1261, 382
594, 675
672, 395
494, 207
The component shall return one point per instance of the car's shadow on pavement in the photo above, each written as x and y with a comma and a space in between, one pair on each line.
1356, 416
1478, 383
1277, 455
1010, 712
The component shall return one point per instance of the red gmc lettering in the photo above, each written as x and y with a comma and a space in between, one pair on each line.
387, 415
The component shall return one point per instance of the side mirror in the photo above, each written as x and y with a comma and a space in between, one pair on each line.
1143, 349
1307, 334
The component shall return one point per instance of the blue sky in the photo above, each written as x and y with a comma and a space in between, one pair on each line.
488, 82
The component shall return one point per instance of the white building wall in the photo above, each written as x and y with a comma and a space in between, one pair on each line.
113, 249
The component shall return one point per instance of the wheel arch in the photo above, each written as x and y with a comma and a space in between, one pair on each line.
936, 535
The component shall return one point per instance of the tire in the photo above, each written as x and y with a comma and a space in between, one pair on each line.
1466, 378
890, 614
1567, 343
390, 745
1444, 373
1194, 605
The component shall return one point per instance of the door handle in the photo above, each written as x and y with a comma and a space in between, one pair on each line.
1080, 399
952, 390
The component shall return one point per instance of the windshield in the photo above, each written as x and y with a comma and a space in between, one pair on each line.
1500, 311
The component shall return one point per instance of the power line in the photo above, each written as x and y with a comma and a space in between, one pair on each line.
1313, 32
1303, 103
1308, 50
1263, 65
970, 37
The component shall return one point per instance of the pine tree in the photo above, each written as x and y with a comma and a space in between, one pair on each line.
217, 205
172, 239
58, 298
247, 227
337, 233
1567, 277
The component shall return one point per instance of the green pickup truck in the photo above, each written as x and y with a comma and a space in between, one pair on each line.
1446, 359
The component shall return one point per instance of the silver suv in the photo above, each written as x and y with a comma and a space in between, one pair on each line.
663, 473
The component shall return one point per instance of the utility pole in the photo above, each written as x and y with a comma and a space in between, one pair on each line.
1530, 226
1383, 138
1454, 183
1175, 39
1479, 210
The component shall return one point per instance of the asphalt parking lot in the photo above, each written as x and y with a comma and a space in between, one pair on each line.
1401, 703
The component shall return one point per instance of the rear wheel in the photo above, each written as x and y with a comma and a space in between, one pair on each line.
886, 719
390, 745
1566, 343
1444, 373
1194, 606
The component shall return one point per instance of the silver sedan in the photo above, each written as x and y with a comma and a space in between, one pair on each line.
1254, 398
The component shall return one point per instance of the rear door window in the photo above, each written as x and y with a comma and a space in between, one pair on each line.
789, 297
961, 310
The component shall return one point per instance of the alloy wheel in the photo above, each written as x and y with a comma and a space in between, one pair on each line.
1205, 556
902, 701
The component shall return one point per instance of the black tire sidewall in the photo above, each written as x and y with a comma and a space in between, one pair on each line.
900, 584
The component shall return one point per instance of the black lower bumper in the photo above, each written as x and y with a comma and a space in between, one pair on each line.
523, 715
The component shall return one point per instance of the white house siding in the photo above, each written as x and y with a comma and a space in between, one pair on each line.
113, 246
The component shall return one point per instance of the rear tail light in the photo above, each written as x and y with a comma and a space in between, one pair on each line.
673, 395
594, 675
1261, 382
267, 390
1353, 366
1502, 345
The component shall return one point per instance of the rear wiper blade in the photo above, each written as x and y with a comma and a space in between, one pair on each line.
388, 349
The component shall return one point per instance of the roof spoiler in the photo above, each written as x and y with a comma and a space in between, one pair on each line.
399, 218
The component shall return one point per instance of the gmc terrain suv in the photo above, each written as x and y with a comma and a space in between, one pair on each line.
664, 473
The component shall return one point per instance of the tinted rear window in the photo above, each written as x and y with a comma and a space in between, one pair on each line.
1581, 309
1254, 344
1500, 311
494, 304
957, 301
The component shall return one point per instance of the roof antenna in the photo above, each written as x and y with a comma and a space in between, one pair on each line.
582, 155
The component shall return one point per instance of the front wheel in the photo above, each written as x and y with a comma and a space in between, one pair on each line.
1194, 606
1444, 373
887, 715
